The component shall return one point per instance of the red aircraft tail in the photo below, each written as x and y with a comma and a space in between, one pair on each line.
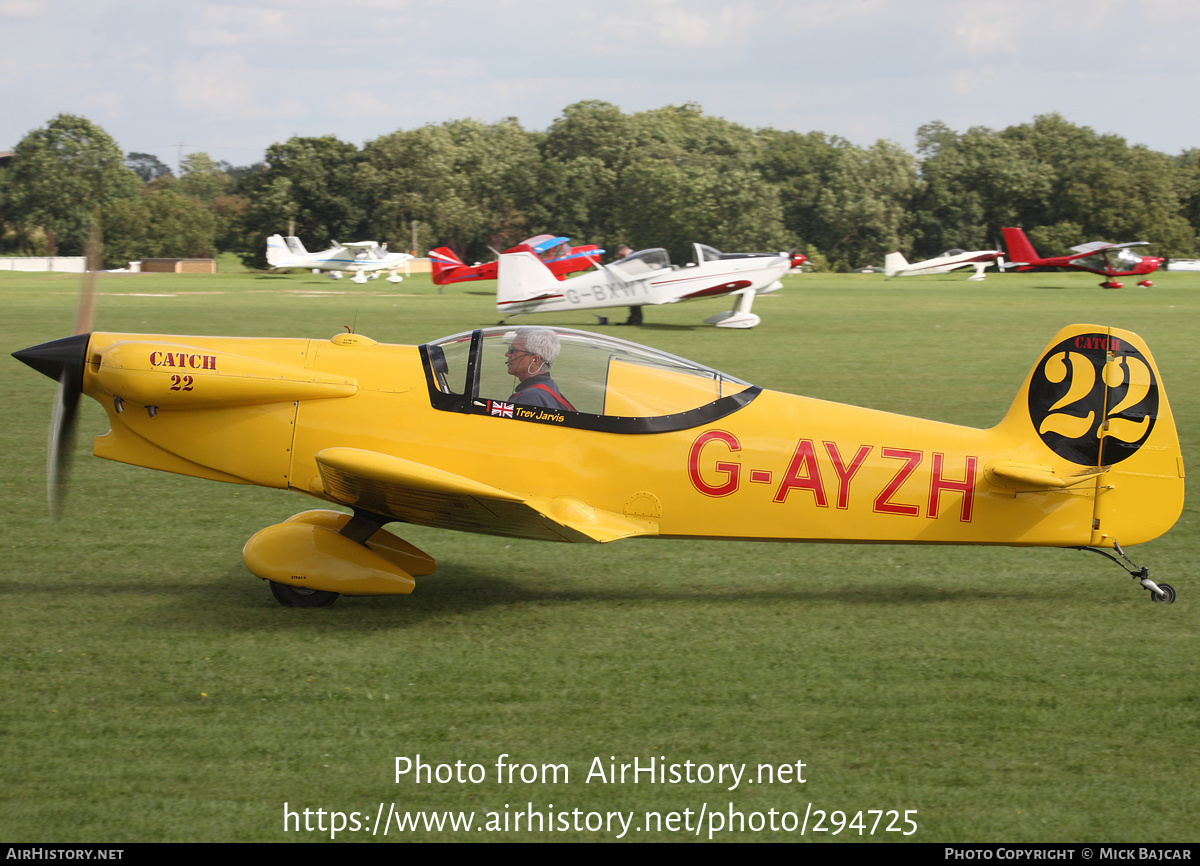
443, 264
1019, 247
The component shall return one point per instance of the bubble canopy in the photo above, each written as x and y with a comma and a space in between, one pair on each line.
614, 385
1115, 259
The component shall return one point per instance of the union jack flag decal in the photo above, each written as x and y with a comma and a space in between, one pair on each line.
504, 410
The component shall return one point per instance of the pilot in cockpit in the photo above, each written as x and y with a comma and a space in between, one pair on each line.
530, 356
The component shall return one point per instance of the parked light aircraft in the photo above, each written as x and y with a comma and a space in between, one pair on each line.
365, 259
1097, 257
653, 446
895, 265
647, 277
556, 252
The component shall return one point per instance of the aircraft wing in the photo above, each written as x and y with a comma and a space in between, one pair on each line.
421, 494
548, 243
591, 251
1095, 246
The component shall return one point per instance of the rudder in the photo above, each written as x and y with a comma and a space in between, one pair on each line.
277, 254
1093, 411
1018, 246
893, 263
443, 263
522, 276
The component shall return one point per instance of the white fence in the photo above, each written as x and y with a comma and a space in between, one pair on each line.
64, 264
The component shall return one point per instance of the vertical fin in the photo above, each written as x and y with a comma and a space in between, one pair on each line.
522, 276
443, 263
1095, 400
893, 263
1019, 247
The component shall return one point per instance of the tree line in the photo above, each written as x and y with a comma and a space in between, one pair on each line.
665, 178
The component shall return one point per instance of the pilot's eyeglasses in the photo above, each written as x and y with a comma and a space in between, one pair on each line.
515, 353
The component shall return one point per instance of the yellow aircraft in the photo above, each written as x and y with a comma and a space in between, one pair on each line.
626, 441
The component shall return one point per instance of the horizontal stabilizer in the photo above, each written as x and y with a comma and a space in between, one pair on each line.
1036, 476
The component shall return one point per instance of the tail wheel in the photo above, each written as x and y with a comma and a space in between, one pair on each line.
1167, 598
295, 596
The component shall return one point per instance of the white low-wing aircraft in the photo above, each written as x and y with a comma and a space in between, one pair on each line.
647, 277
365, 259
895, 265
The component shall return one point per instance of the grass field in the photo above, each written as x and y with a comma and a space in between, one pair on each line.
152, 690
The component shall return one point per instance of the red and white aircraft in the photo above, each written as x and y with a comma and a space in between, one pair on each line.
1097, 257
556, 252
647, 277
895, 265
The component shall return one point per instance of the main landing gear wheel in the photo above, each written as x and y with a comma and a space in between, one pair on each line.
296, 596
1168, 596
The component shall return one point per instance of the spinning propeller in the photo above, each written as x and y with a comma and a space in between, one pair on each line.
63, 360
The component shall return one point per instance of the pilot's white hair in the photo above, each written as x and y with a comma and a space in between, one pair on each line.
542, 342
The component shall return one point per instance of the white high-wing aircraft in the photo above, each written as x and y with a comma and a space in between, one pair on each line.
365, 259
895, 265
647, 277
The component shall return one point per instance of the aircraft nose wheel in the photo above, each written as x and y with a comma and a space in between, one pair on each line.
295, 596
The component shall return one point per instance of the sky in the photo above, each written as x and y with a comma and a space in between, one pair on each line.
229, 79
